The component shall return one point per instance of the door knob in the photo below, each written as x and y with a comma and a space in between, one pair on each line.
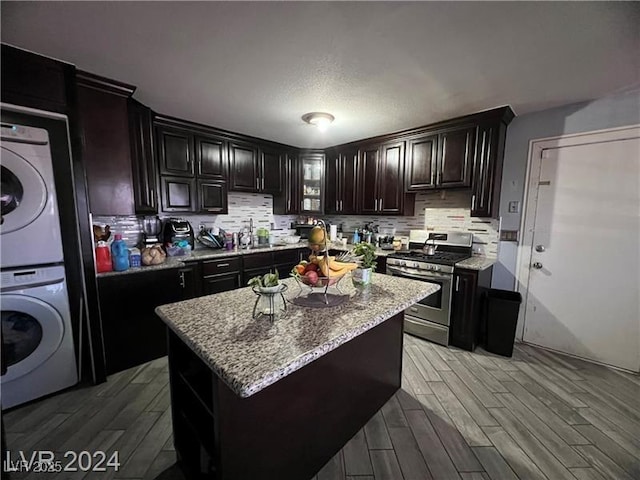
540, 248
537, 265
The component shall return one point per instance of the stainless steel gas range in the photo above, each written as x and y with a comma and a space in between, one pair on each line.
430, 318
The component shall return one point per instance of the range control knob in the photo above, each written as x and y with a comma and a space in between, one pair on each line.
403, 264
436, 268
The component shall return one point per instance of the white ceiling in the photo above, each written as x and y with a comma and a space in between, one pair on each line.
379, 67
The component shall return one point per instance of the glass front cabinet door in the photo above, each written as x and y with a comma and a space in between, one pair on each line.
312, 184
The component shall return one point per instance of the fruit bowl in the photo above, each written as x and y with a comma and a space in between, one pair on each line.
321, 282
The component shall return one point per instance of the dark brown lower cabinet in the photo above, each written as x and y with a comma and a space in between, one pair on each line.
221, 275
133, 334
465, 330
289, 430
220, 283
189, 279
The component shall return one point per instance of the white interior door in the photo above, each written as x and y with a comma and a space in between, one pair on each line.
583, 293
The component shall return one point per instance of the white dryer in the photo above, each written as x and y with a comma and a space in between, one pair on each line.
37, 342
29, 225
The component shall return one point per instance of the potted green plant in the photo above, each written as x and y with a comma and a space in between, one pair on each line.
268, 283
366, 252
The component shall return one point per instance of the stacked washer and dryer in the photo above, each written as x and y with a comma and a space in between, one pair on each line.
37, 340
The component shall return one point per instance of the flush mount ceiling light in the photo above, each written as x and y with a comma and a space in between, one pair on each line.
319, 119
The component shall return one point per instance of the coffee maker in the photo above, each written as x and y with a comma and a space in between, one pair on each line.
151, 228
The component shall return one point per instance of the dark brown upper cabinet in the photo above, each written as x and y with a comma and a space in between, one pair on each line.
340, 182
441, 160
381, 180
456, 155
211, 157
106, 150
391, 181
35, 81
142, 157
178, 194
193, 168
368, 168
271, 162
175, 151
288, 203
255, 168
243, 160
421, 163
487, 169
213, 196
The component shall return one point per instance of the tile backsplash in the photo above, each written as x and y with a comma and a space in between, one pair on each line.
242, 207
447, 210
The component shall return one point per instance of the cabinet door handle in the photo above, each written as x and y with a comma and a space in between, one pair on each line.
257, 183
262, 183
473, 201
341, 206
288, 205
380, 204
182, 282
375, 203
457, 283
223, 265
301, 205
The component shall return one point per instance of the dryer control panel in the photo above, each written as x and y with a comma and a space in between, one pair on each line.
19, 133
29, 277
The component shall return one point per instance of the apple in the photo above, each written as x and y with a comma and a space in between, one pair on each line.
312, 277
310, 267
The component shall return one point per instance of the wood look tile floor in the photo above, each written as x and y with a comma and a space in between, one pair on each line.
459, 415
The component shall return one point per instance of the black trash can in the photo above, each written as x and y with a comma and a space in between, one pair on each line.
501, 317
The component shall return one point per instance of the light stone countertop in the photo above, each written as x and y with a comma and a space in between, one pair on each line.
379, 251
202, 254
249, 355
477, 263
170, 262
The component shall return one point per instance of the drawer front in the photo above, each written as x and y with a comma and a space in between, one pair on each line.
258, 260
427, 330
224, 265
285, 256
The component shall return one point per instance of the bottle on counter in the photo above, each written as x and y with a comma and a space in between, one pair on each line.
119, 254
103, 257
356, 237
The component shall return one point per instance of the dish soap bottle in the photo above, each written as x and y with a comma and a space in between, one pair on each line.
119, 254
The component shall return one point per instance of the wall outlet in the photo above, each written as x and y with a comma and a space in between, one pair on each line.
508, 235
514, 206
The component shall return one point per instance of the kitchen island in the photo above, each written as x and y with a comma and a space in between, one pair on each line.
276, 400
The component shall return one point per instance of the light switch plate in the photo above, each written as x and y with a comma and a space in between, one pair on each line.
509, 235
514, 206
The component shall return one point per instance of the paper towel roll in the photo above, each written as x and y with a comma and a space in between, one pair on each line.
333, 233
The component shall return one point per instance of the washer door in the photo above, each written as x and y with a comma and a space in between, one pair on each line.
23, 193
32, 331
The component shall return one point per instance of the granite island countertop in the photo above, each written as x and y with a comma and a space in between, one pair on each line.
249, 355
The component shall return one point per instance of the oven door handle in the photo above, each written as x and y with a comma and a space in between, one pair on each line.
430, 276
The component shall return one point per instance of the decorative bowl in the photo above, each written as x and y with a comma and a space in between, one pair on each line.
291, 239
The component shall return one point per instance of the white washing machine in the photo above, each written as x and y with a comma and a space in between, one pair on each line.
37, 342
29, 225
